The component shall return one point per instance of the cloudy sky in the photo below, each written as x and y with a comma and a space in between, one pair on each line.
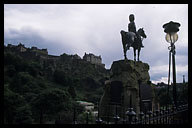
95, 28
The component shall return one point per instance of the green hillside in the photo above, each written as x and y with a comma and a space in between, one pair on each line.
38, 88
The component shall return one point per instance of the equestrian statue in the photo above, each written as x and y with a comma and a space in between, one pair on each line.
132, 38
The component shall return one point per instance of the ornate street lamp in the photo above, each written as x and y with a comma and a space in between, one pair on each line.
171, 37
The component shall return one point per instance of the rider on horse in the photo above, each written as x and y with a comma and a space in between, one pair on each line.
132, 28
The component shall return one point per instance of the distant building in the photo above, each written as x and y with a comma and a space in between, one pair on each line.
161, 85
93, 59
88, 105
21, 48
10, 45
42, 55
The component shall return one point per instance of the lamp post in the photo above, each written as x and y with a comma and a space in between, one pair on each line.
183, 86
171, 37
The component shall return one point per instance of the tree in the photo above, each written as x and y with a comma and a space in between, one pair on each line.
21, 82
63, 78
33, 68
24, 115
10, 70
11, 59
51, 102
82, 118
67, 117
72, 91
161, 96
16, 110
60, 77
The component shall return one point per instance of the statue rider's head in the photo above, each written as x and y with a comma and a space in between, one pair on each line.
131, 18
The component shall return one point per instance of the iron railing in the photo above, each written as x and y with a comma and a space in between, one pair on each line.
165, 115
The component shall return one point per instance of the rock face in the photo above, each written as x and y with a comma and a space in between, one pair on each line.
122, 86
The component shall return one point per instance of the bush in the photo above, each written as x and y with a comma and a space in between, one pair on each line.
16, 110
51, 102
20, 83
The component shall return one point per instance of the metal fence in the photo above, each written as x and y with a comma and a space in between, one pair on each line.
165, 115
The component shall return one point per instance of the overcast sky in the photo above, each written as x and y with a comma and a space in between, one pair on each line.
95, 28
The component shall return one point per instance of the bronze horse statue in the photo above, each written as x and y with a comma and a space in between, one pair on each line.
129, 39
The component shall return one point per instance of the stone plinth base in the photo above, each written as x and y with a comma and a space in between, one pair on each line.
122, 85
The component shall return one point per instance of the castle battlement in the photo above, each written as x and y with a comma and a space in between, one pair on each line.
21, 48
39, 51
43, 54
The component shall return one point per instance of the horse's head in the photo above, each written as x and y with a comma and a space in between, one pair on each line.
141, 32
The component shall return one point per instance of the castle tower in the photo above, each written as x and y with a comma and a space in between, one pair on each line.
97, 60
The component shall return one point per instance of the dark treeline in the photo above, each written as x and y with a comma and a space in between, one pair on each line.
33, 94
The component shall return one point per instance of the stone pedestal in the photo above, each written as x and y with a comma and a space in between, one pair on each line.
123, 83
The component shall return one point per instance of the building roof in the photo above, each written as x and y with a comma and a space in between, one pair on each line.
85, 103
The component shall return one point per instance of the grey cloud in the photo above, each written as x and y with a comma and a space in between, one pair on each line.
96, 29
31, 37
